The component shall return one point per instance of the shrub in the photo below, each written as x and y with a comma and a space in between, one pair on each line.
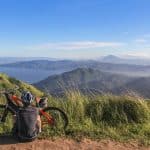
115, 110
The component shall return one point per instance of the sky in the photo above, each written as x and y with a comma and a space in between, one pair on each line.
77, 29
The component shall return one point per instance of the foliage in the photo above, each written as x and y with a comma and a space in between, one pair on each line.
11, 83
114, 110
115, 117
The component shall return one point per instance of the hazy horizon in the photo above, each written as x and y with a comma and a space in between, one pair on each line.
72, 58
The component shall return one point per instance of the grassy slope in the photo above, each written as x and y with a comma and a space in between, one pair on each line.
7, 82
116, 117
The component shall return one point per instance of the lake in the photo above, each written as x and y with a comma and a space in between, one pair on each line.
29, 75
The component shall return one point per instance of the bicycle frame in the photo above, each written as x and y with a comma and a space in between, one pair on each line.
10, 106
16, 99
50, 119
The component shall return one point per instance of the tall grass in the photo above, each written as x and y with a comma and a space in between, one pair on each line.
107, 116
114, 110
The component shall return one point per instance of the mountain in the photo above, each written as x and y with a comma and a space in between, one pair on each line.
82, 79
131, 70
37, 70
7, 82
6, 60
42, 64
90, 81
68, 65
111, 59
127, 60
138, 85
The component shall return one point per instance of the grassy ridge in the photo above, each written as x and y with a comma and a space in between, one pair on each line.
115, 117
7, 82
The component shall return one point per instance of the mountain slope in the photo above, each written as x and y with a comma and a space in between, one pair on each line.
139, 85
89, 80
67, 65
42, 64
111, 59
127, 60
7, 82
82, 78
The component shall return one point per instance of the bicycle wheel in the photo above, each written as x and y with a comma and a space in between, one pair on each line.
55, 118
2, 109
6, 120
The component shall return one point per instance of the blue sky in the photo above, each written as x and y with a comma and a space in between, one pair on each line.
74, 28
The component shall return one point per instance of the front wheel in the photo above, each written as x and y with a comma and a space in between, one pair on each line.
53, 117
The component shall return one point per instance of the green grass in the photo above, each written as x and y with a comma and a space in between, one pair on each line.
120, 118
7, 82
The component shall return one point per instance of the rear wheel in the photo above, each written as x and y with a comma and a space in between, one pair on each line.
55, 119
6, 120
2, 109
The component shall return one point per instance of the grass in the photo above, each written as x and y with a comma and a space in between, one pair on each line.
120, 118
7, 82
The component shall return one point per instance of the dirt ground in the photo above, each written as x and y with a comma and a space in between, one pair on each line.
8, 143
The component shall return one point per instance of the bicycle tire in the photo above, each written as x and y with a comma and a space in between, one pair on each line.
51, 110
2, 106
2, 110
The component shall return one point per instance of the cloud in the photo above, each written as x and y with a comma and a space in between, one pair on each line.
141, 41
145, 53
75, 45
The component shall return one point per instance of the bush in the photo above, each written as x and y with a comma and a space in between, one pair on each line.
73, 104
115, 117
114, 110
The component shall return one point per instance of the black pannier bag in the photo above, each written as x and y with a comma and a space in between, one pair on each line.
26, 124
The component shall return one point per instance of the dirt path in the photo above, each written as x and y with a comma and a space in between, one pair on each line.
7, 143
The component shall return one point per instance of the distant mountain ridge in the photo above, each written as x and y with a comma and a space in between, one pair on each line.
68, 65
111, 58
125, 60
138, 85
8, 60
89, 80
82, 78
42, 64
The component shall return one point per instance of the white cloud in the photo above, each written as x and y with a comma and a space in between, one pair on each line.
141, 41
145, 53
75, 45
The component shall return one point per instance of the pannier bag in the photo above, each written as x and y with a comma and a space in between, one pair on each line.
26, 124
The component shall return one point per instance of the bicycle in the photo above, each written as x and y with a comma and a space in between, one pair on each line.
50, 116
